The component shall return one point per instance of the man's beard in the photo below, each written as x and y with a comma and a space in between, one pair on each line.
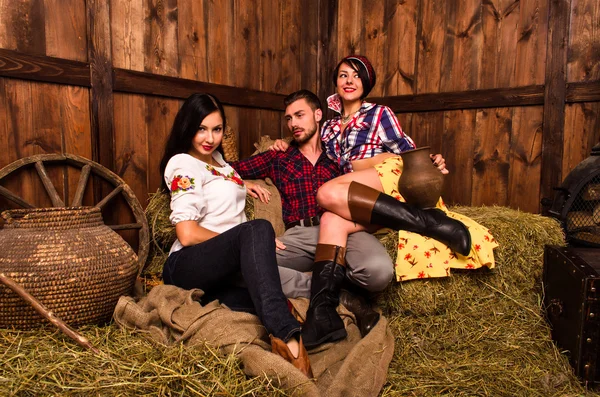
306, 138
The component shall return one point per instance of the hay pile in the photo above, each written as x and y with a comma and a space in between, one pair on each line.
476, 333
46, 363
481, 332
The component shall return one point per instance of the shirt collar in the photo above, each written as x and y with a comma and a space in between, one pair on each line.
334, 102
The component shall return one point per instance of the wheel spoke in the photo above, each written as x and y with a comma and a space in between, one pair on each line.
56, 200
110, 196
83, 180
14, 198
127, 226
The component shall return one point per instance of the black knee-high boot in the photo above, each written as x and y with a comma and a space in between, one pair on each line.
323, 323
370, 206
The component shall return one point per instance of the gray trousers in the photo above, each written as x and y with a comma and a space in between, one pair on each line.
368, 264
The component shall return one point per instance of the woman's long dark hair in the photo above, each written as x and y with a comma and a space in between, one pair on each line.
187, 122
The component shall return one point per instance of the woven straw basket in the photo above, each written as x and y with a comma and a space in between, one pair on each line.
230, 145
67, 258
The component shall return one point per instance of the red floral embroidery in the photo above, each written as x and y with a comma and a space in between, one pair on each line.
427, 254
181, 183
232, 176
415, 247
421, 274
400, 246
477, 247
407, 257
470, 266
174, 183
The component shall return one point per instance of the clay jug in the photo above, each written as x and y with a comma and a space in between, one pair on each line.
421, 182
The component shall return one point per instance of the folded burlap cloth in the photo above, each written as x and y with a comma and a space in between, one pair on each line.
351, 367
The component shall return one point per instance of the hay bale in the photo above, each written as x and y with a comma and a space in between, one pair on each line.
481, 332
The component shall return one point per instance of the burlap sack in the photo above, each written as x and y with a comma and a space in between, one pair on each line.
351, 367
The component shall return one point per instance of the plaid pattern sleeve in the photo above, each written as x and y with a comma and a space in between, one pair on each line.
390, 132
258, 166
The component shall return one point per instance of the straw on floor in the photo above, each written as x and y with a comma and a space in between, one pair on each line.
476, 333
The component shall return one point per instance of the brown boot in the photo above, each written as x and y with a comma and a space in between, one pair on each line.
301, 362
370, 206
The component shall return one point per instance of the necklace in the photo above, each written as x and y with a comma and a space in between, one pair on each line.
347, 118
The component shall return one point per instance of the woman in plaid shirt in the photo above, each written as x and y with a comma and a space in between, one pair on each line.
366, 141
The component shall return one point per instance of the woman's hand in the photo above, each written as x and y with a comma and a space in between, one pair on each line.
257, 191
279, 145
439, 162
279, 245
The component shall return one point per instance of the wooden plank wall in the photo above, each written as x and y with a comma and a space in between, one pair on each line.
425, 48
38, 117
473, 79
264, 45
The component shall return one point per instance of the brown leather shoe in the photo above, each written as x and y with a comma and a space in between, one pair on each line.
301, 362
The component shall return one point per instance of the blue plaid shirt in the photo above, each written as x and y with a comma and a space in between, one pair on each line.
374, 129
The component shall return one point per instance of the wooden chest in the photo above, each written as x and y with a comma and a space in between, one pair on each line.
572, 301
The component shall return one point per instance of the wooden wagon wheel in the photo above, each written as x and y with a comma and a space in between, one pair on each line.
87, 167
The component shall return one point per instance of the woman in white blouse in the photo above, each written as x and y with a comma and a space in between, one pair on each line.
215, 242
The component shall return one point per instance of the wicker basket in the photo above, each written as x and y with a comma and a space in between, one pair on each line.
230, 145
67, 258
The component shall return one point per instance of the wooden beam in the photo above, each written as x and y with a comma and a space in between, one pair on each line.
477, 99
172, 87
101, 96
585, 91
43, 68
554, 96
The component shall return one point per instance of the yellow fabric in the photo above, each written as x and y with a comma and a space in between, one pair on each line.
423, 257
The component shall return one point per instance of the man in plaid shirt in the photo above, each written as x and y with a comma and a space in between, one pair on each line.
298, 173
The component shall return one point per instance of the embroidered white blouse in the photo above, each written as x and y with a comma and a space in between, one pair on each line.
214, 197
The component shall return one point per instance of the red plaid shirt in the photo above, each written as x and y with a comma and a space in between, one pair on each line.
294, 176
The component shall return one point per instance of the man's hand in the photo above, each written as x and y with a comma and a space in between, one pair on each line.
279, 145
439, 162
257, 191
279, 245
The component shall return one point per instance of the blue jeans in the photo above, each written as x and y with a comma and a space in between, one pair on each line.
213, 265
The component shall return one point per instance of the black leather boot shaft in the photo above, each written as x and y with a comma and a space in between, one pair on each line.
323, 323
433, 223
